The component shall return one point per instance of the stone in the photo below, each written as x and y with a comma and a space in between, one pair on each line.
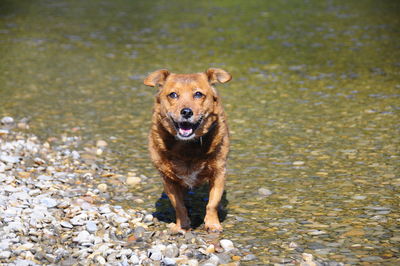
371, 258
10, 159
192, 262
171, 251
154, 254
91, 226
317, 232
264, 192
169, 261
223, 258
212, 261
83, 236
7, 120
354, 233
308, 260
20, 262
16, 226
77, 220
210, 249
148, 218
133, 180
101, 144
48, 202
102, 187
226, 244
249, 257
359, 197
39, 161
134, 259
5, 254
100, 260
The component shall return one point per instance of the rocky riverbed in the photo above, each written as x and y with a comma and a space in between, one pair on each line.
54, 211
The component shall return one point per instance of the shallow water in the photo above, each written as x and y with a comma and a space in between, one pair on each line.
313, 106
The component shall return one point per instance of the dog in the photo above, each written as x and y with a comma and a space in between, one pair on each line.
189, 139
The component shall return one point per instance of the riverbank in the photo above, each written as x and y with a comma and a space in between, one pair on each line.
53, 210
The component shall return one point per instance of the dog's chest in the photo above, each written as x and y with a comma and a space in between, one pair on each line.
191, 179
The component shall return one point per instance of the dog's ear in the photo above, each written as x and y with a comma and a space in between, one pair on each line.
157, 78
216, 75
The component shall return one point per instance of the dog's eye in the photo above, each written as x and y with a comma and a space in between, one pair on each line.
173, 95
198, 94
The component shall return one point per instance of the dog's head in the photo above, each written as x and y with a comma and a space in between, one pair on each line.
187, 104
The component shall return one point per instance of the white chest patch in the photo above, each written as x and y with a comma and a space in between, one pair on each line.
191, 179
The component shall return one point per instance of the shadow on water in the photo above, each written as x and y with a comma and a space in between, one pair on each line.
195, 201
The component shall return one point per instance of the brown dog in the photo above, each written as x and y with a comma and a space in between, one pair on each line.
189, 140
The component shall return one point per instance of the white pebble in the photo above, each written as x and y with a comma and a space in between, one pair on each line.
48, 202
91, 226
264, 191
226, 244
101, 143
66, 224
102, 187
7, 120
133, 180
82, 237
134, 259
148, 218
5, 254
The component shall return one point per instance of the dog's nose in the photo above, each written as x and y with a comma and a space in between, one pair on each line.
186, 113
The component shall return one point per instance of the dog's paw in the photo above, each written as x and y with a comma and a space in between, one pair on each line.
177, 229
214, 227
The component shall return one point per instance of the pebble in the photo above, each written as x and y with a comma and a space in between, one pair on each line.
148, 218
171, 251
359, 197
66, 225
5, 254
50, 216
48, 202
9, 159
169, 261
133, 180
102, 187
134, 259
101, 144
155, 254
264, 192
210, 249
371, 258
101, 260
83, 236
91, 226
226, 244
7, 120
249, 257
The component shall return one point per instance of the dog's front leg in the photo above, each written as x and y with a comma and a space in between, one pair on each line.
211, 220
175, 194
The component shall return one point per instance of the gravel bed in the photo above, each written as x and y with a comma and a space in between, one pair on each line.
52, 212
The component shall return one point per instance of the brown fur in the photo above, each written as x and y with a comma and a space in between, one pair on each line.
189, 161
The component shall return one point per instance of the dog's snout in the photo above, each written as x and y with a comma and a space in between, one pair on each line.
186, 113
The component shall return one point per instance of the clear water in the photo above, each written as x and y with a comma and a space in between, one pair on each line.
313, 106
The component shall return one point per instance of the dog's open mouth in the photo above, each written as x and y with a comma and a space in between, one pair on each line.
186, 129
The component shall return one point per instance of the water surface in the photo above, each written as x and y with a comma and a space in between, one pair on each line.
313, 106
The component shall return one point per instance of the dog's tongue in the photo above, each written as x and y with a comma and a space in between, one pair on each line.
185, 132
